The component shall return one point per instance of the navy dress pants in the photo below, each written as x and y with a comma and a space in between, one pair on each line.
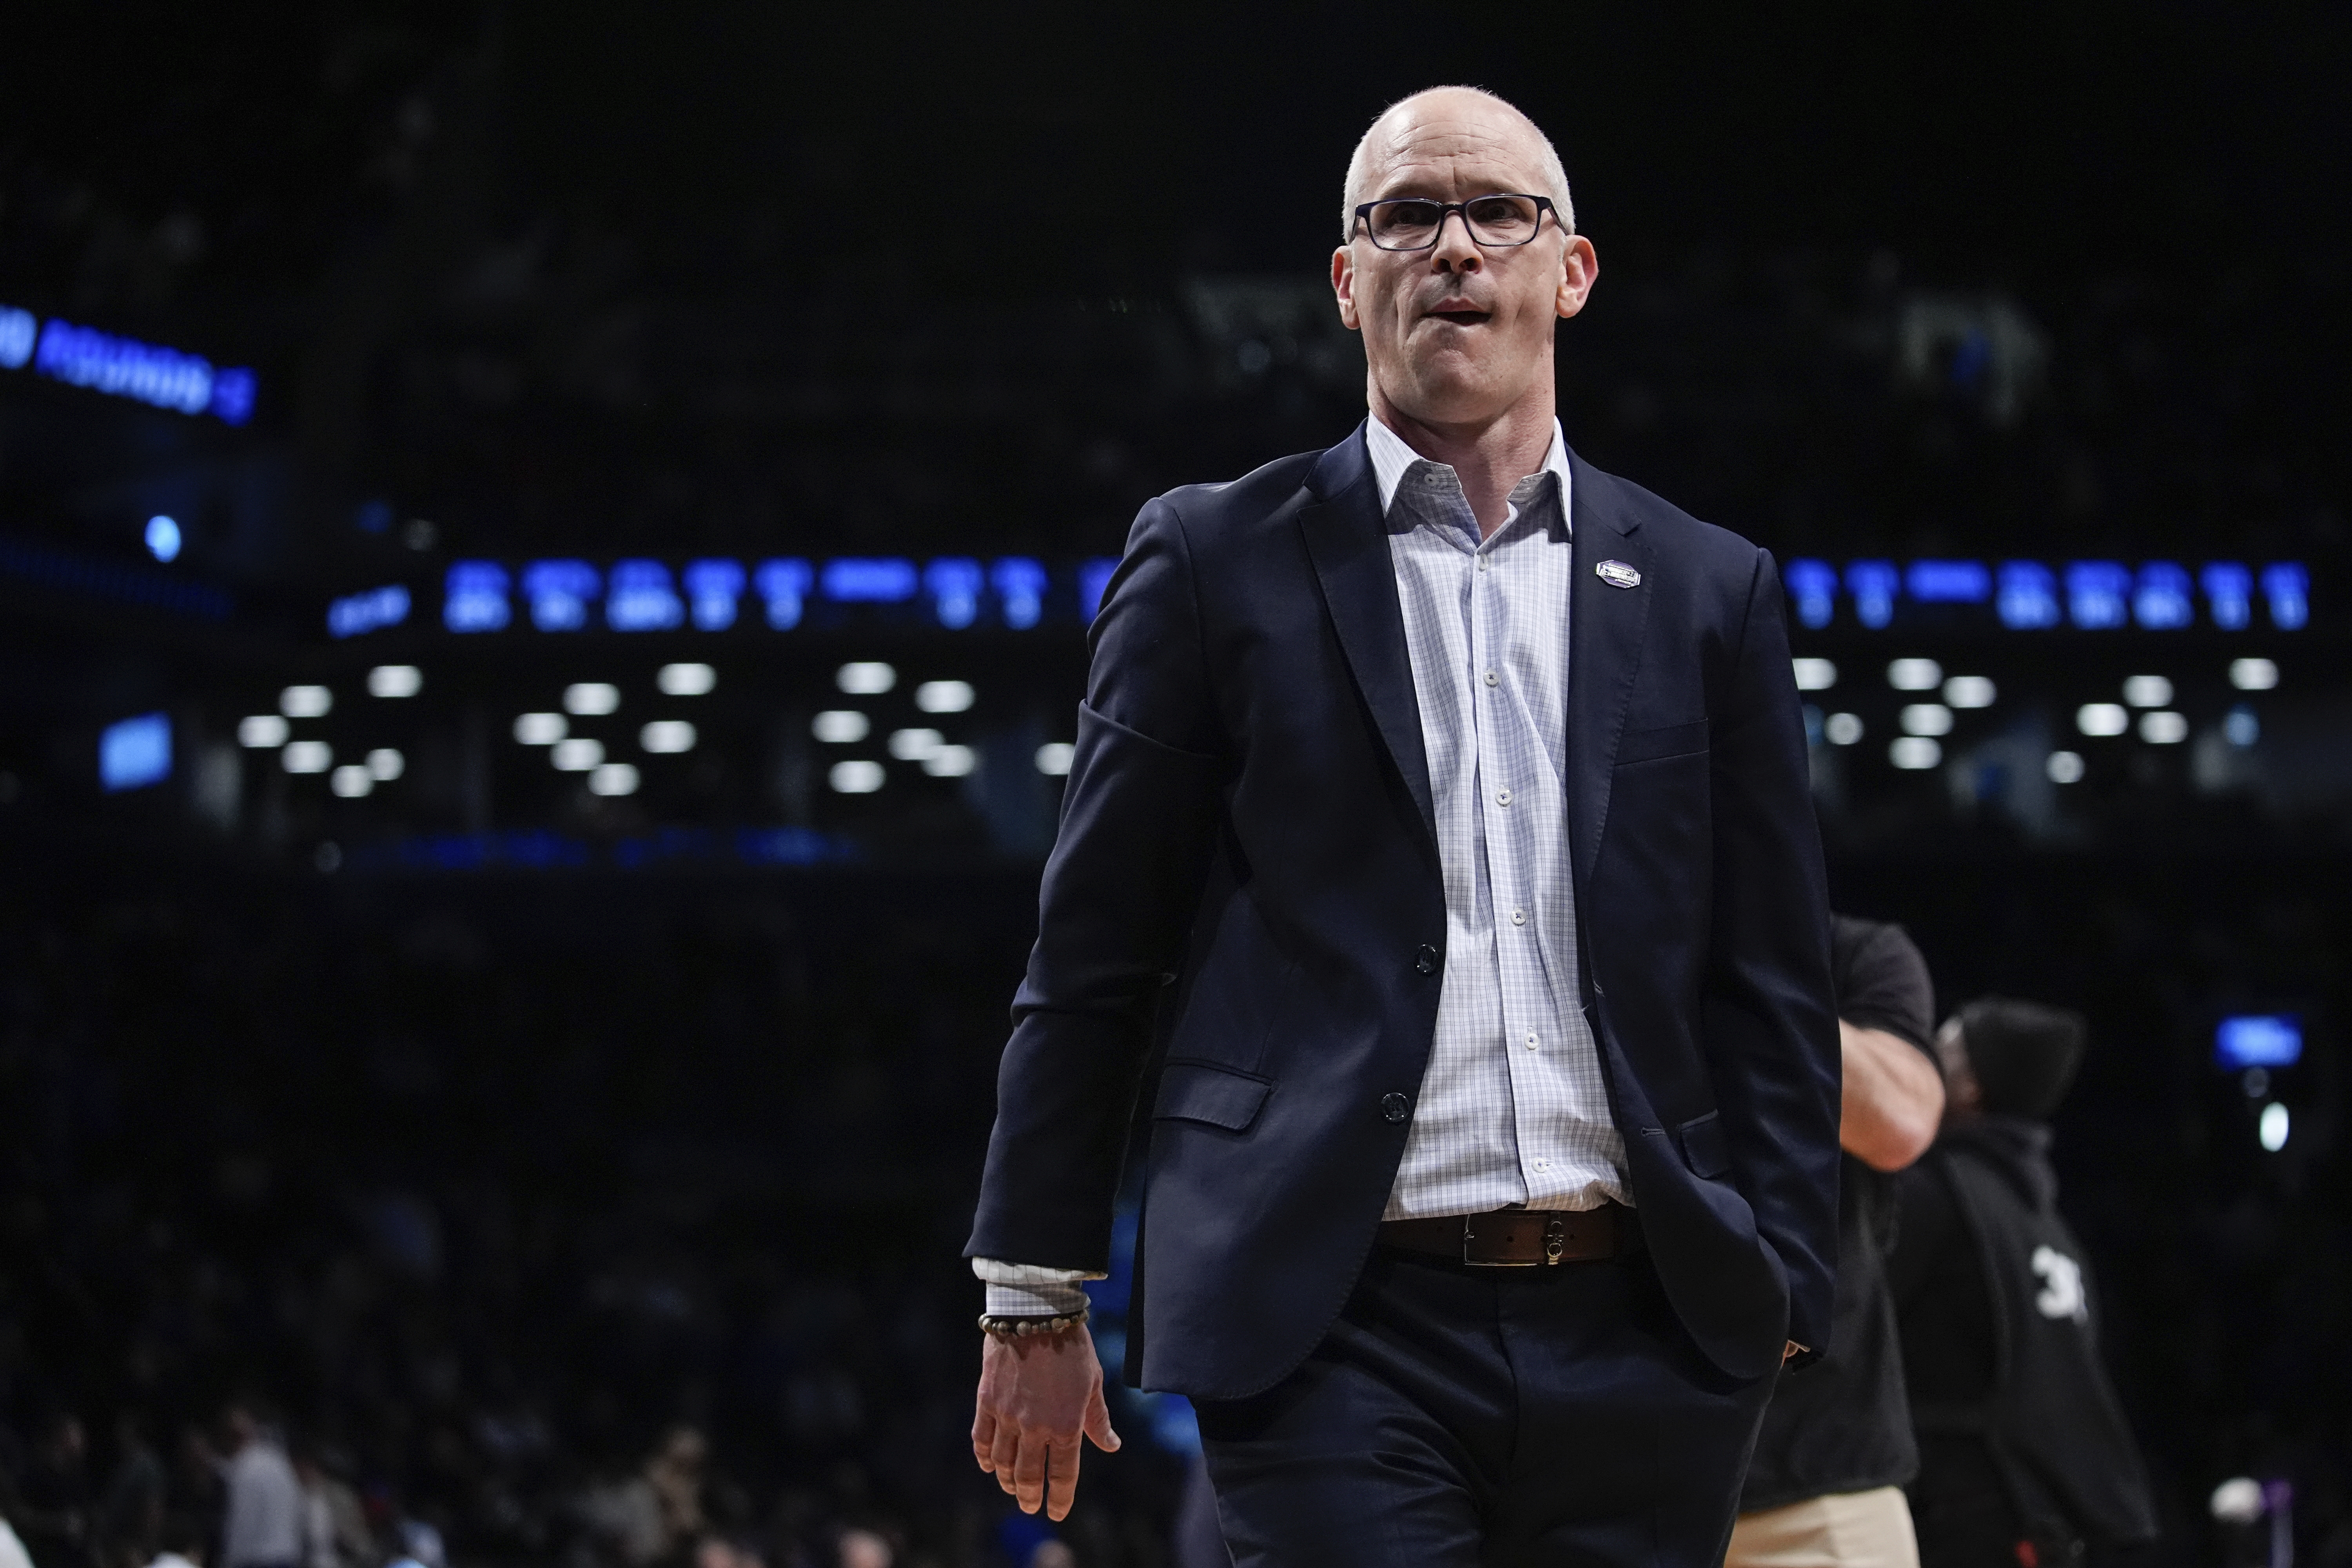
1456, 1417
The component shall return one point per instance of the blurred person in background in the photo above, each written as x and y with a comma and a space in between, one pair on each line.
262, 1527
12, 1550
55, 1508
131, 1511
184, 1546
1452, 949
1824, 1488
657, 1513
864, 1548
2025, 1457
675, 1475
335, 1532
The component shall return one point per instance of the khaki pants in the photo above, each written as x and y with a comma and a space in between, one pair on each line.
1845, 1530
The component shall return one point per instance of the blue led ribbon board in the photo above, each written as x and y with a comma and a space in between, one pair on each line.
474, 598
2028, 598
135, 752
713, 588
1949, 582
640, 598
2161, 600
1020, 585
559, 592
2258, 1040
125, 367
953, 583
1813, 585
855, 580
2287, 586
785, 586
2228, 594
1094, 579
369, 612
1872, 584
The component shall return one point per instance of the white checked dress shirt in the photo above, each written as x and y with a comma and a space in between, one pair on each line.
1512, 1109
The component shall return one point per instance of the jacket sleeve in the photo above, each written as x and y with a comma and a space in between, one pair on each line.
1138, 822
1768, 1018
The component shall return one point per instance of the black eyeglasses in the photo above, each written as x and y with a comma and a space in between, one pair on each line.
1414, 223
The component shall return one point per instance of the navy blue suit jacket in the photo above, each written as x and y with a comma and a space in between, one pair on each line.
1243, 911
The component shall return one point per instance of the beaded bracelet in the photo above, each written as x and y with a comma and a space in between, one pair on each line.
1009, 1328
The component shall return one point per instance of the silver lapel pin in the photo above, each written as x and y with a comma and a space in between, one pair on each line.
1617, 574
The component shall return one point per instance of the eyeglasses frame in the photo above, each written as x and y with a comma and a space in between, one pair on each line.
1447, 210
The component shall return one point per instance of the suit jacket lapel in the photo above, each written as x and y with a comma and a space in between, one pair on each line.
1605, 627
1347, 541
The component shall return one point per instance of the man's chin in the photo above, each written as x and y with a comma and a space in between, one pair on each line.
1446, 394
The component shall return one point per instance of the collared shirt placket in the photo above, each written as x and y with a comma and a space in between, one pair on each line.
1517, 792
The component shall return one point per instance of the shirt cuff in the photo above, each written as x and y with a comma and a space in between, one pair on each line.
1031, 1289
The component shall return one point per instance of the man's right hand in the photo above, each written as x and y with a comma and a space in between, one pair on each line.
1040, 1396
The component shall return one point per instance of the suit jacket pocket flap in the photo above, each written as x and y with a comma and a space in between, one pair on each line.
1702, 1147
1666, 741
1203, 1091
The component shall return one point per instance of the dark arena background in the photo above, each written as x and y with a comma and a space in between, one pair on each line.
545, 555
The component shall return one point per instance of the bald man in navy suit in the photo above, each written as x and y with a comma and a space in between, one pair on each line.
1439, 861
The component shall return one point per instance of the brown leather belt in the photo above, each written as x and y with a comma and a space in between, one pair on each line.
1520, 1238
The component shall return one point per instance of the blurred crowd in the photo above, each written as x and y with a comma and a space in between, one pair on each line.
614, 1219
611, 1259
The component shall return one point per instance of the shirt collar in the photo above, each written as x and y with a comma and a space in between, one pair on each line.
1391, 457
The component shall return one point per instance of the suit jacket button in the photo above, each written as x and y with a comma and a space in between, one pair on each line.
1425, 960
1395, 1106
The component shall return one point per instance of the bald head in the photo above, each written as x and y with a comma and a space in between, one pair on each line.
1410, 125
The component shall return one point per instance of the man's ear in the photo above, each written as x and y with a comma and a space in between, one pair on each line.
1343, 287
1579, 269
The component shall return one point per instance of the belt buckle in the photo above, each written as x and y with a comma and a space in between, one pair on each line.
1555, 1242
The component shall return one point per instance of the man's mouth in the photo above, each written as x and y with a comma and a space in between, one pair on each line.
1461, 315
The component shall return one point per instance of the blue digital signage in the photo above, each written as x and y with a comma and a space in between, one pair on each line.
125, 367
2029, 596
135, 752
2258, 1040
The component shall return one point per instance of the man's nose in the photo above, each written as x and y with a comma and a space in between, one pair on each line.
1456, 251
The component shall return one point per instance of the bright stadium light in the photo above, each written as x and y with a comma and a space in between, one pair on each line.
1813, 674
944, 696
591, 698
841, 726
686, 680
1914, 675
667, 737
306, 701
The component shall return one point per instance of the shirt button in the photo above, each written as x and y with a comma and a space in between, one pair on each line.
1492, 680
1394, 1106
1502, 797
1542, 1164
1531, 1042
1482, 562
1518, 917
